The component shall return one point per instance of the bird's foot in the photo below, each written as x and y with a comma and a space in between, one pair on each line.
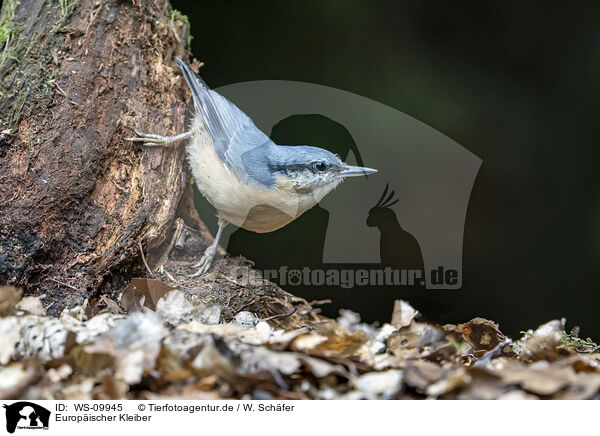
152, 140
205, 262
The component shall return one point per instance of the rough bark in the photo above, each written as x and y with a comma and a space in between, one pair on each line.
78, 204
76, 200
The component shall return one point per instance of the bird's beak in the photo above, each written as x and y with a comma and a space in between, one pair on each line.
350, 171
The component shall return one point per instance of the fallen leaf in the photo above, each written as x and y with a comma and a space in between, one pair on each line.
481, 334
516, 394
544, 381
245, 319
403, 314
420, 374
9, 296
542, 343
143, 292
454, 379
32, 305
10, 334
343, 345
16, 378
379, 385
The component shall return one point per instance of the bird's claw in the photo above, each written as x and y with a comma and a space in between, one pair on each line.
148, 139
205, 262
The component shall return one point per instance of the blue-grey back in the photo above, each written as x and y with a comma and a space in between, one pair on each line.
233, 133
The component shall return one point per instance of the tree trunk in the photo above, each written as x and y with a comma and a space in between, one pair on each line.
79, 205
76, 199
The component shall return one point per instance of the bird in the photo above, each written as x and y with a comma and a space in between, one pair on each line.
252, 182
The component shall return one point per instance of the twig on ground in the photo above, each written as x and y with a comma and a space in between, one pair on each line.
6, 47
320, 302
65, 284
248, 304
144, 258
65, 94
280, 315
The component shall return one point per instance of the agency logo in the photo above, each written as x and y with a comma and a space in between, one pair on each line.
24, 415
423, 185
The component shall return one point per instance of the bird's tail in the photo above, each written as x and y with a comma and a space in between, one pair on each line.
195, 82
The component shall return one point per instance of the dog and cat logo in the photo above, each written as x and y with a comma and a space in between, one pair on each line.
26, 415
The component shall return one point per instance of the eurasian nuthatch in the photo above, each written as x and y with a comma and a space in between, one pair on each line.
251, 181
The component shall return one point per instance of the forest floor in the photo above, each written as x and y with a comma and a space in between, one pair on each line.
169, 336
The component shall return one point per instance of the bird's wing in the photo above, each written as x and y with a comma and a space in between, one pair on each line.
232, 131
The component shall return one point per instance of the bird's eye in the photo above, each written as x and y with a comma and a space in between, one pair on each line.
320, 166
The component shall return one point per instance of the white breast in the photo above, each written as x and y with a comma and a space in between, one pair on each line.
248, 205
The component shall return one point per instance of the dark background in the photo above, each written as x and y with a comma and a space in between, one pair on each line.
516, 83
